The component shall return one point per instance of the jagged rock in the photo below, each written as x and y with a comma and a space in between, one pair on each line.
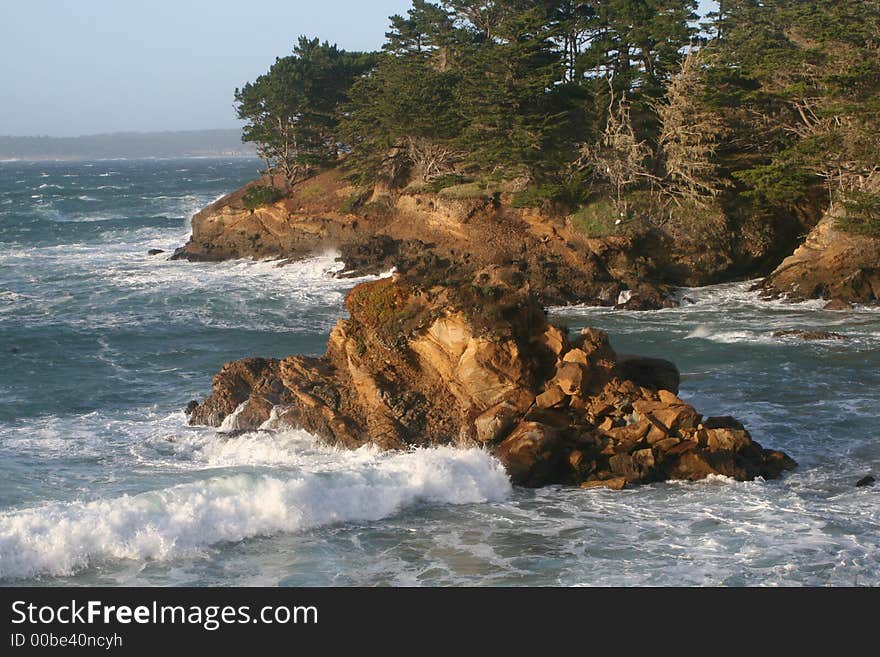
831, 264
477, 363
496, 423
867, 481
531, 454
436, 239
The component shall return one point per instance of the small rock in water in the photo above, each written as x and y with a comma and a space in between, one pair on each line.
867, 481
191, 407
837, 304
155, 252
14, 350
810, 335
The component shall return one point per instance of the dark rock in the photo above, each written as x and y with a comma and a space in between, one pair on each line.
155, 252
810, 335
722, 423
191, 407
650, 372
867, 481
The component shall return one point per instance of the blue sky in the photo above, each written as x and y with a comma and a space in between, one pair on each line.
72, 67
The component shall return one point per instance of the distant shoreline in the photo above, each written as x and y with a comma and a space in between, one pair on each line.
127, 145
214, 156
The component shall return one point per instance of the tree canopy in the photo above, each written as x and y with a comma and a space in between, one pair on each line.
771, 100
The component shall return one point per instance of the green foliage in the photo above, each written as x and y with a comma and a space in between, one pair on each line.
570, 193
598, 219
468, 96
442, 182
862, 216
292, 112
798, 85
465, 191
386, 310
353, 203
259, 196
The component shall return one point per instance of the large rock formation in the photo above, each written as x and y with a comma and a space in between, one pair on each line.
567, 258
475, 362
832, 265
423, 231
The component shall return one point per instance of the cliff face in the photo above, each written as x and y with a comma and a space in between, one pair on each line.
429, 234
831, 264
477, 363
434, 236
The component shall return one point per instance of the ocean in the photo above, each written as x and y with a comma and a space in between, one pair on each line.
103, 483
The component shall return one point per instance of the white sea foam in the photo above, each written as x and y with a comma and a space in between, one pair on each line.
61, 539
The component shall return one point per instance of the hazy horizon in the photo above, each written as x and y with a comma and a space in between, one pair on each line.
94, 67
88, 67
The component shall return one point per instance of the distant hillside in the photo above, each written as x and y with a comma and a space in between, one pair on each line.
128, 145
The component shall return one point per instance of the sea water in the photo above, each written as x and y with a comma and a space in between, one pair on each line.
103, 483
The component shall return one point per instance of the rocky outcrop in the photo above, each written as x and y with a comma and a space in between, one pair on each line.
423, 233
475, 362
832, 265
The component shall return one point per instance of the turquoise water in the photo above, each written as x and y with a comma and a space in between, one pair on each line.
102, 482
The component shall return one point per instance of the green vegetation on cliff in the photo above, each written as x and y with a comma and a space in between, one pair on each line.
764, 107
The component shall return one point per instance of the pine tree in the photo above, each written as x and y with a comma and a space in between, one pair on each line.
292, 112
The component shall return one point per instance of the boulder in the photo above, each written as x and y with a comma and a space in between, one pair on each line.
650, 372
477, 363
531, 454
618, 483
832, 264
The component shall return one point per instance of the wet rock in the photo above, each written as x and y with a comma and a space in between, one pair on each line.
618, 483
838, 305
496, 423
650, 372
723, 423
831, 264
810, 335
530, 454
867, 481
155, 252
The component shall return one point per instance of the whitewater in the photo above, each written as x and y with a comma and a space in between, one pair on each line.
103, 483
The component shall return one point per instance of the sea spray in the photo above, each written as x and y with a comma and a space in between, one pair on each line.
60, 539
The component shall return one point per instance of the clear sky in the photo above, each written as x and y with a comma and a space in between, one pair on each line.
73, 67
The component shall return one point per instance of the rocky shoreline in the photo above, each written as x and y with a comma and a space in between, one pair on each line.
842, 268
477, 363
416, 231
456, 348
